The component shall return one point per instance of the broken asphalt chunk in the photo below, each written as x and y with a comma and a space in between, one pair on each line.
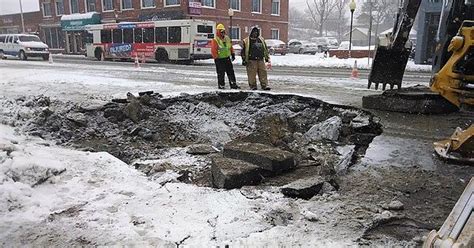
266, 157
304, 188
201, 149
230, 173
326, 130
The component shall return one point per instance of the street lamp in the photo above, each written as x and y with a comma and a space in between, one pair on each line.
352, 7
231, 14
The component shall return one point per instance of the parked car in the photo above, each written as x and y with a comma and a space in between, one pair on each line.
276, 47
325, 43
302, 47
237, 49
344, 45
23, 46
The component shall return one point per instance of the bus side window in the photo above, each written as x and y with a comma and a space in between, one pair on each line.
128, 35
161, 35
148, 35
174, 34
106, 36
117, 36
138, 35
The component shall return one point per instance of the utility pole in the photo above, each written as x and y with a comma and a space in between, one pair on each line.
370, 31
22, 20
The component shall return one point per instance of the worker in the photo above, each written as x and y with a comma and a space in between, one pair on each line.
254, 55
222, 52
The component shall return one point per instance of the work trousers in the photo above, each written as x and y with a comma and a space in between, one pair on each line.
255, 67
224, 66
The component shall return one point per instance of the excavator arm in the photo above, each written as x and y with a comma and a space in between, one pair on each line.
393, 50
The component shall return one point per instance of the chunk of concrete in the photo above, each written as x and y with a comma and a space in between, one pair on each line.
230, 173
266, 157
201, 149
393, 205
303, 188
326, 130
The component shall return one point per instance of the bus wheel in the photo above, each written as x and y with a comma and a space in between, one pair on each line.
98, 53
161, 56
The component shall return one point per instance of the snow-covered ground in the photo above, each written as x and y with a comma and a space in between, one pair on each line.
56, 196
318, 60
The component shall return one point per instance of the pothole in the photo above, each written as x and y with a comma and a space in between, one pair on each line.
177, 139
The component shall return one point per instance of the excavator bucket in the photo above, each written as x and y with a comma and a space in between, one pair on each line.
388, 67
459, 147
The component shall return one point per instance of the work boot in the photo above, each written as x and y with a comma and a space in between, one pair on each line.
221, 87
234, 86
266, 88
253, 88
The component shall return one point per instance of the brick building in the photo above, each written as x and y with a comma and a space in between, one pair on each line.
428, 21
67, 35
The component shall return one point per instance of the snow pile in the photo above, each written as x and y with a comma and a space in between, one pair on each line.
318, 60
99, 200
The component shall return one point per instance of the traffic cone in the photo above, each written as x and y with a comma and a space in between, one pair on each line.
137, 63
355, 71
50, 58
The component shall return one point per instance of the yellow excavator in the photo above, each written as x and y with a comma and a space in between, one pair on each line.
452, 82
451, 87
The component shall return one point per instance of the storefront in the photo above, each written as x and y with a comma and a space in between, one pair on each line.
75, 36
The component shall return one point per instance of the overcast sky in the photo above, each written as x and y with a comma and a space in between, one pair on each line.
13, 6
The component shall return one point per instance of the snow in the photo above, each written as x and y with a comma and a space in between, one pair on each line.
78, 16
319, 61
52, 196
105, 201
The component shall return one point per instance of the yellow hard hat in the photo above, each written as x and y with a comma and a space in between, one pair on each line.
220, 26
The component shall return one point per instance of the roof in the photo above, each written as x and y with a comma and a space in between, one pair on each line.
78, 16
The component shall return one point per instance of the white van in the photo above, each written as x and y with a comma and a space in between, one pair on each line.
22, 46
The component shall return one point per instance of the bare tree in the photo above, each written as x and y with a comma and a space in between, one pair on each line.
383, 12
340, 10
320, 11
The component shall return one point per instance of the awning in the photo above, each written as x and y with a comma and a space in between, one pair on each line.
77, 22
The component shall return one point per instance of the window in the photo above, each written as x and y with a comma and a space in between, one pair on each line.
172, 2
257, 6
161, 35
128, 35
275, 7
106, 36
234, 33
126, 4
148, 35
46, 9
208, 3
174, 34
59, 7
108, 5
234, 4
148, 3
90, 5
117, 36
204, 29
138, 35
275, 34
74, 4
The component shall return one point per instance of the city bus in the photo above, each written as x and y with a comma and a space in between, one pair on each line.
170, 40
